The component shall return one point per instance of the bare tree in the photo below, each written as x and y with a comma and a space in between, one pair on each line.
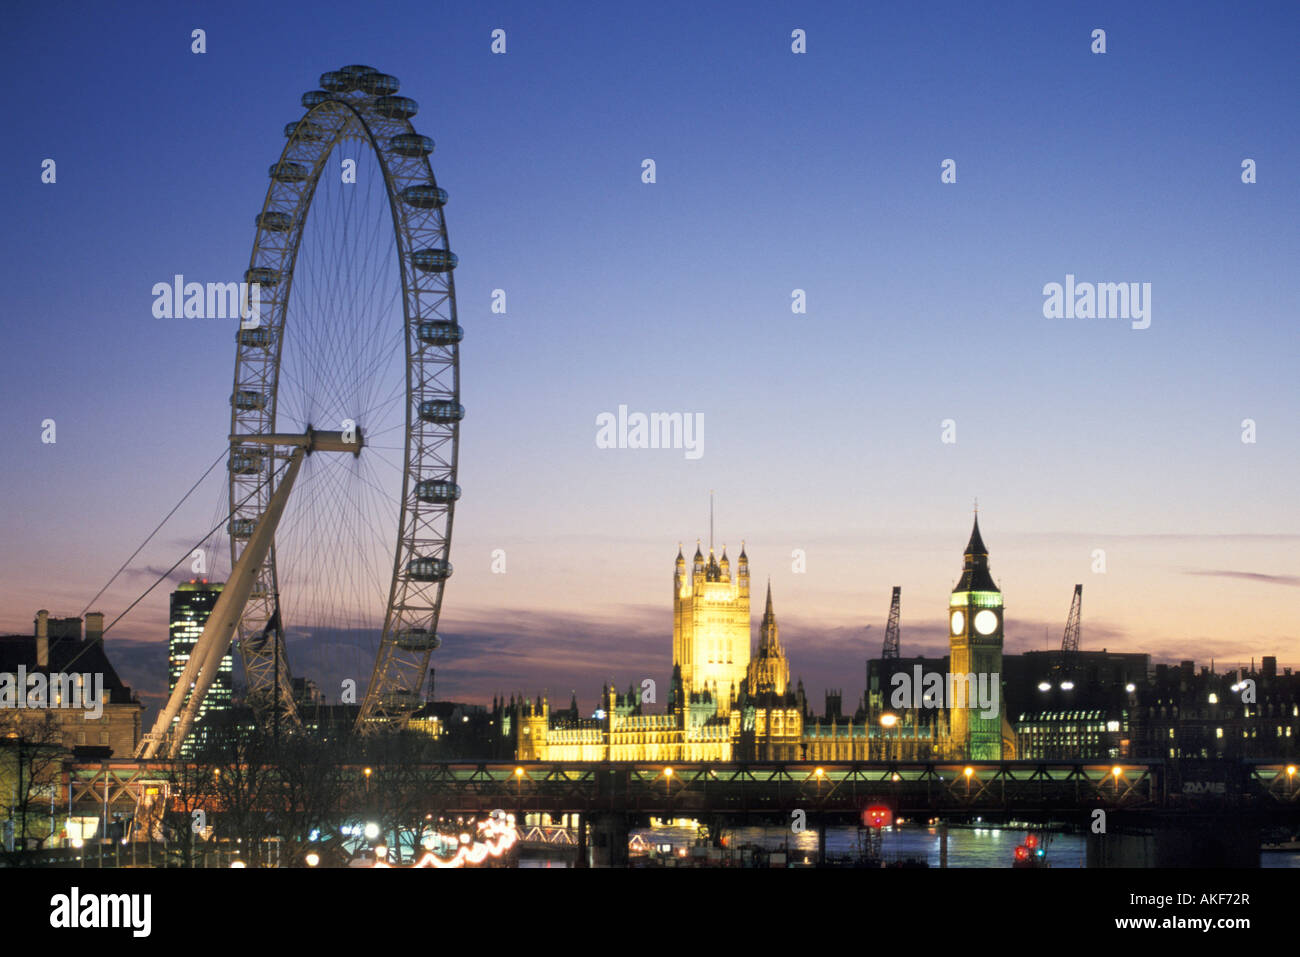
31, 764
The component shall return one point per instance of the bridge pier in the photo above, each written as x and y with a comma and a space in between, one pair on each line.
580, 822
1160, 840
609, 836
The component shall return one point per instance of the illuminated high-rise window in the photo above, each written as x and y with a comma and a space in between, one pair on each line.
192, 602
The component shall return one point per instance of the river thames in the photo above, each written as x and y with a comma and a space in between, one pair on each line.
967, 846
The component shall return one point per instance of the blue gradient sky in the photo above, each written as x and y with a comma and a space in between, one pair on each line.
775, 171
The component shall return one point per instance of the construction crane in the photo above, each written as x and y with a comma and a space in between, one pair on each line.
1070, 640
890, 649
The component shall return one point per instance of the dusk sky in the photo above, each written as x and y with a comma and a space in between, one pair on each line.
775, 171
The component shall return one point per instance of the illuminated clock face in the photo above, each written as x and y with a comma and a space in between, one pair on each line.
958, 622
986, 622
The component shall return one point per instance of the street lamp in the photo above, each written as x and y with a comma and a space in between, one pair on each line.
887, 721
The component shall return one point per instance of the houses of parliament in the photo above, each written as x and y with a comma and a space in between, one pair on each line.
726, 703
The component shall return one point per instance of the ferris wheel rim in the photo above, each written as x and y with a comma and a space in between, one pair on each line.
394, 142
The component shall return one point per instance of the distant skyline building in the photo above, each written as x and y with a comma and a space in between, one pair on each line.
191, 603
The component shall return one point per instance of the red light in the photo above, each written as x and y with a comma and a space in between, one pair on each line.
1031, 840
1022, 853
877, 816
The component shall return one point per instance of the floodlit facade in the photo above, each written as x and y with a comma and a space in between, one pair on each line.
727, 704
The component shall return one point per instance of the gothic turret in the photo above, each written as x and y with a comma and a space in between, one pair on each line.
769, 670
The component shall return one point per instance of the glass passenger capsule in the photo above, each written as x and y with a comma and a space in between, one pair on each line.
259, 338
437, 492
315, 98
304, 130
245, 463
424, 197
262, 276
275, 222
357, 71
400, 700
434, 260
287, 172
428, 569
441, 410
247, 400
336, 81
411, 144
417, 639
242, 528
378, 84
439, 333
396, 107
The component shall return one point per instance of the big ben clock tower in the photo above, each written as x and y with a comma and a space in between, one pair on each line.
975, 640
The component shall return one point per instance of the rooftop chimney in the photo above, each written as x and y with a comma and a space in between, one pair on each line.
42, 639
95, 626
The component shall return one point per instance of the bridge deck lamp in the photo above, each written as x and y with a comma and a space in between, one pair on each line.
968, 772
